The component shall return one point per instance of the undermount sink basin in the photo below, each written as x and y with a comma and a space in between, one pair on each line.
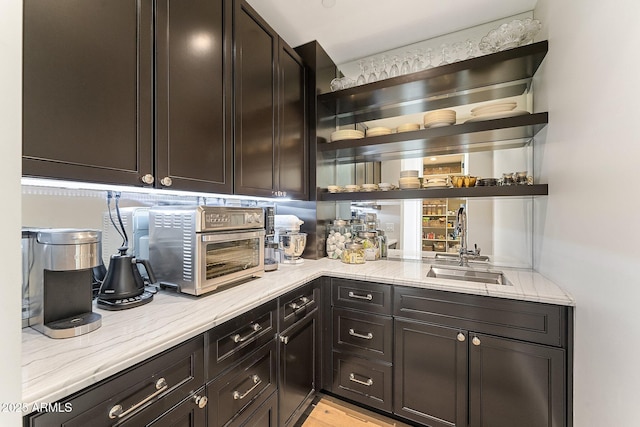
469, 275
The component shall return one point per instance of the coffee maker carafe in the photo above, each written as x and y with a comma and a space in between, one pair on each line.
60, 277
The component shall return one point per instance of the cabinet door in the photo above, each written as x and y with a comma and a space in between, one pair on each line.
265, 416
193, 95
298, 353
430, 381
513, 383
87, 94
255, 91
293, 144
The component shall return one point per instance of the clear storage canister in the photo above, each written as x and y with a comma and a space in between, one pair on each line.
338, 235
370, 244
353, 253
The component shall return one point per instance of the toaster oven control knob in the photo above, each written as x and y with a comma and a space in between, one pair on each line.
147, 179
166, 181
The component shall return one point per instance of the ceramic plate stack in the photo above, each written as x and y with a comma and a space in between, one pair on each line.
346, 134
409, 180
369, 187
497, 110
408, 127
439, 118
378, 131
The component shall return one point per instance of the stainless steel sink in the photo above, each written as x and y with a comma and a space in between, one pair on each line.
469, 275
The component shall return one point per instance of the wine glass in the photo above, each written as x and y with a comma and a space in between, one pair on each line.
471, 47
382, 74
361, 78
405, 68
418, 63
394, 71
372, 72
444, 54
428, 57
457, 49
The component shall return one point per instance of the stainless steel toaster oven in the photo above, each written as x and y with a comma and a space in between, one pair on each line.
200, 248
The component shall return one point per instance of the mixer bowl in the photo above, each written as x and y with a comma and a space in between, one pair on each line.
293, 244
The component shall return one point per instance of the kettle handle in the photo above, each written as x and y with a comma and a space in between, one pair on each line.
147, 267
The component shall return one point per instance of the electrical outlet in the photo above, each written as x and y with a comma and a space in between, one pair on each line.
389, 227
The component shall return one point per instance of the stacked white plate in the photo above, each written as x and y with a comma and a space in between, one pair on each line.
369, 187
385, 186
352, 188
346, 134
439, 118
408, 127
378, 131
496, 110
409, 173
409, 179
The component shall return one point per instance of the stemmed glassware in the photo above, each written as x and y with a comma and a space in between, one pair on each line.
394, 71
405, 68
444, 54
428, 57
361, 78
382, 74
372, 72
418, 63
471, 47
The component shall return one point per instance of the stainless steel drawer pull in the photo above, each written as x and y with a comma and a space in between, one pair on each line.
304, 302
256, 382
368, 382
116, 411
255, 328
353, 333
367, 297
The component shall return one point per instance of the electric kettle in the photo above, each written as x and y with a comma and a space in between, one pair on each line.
123, 286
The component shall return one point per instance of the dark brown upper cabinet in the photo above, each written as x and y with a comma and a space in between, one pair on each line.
270, 120
89, 92
193, 95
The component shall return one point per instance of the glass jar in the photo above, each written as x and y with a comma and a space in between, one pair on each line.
338, 235
370, 244
353, 253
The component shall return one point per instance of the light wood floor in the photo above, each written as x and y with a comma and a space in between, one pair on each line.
330, 412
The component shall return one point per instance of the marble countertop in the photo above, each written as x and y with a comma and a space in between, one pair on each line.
53, 369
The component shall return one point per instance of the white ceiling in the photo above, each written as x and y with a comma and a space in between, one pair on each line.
357, 28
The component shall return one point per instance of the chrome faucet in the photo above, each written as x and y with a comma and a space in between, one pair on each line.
461, 231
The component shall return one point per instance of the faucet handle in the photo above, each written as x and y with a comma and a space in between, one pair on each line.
476, 249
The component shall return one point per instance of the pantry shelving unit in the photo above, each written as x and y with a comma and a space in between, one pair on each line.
485, 78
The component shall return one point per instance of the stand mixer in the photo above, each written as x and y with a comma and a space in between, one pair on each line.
291, 241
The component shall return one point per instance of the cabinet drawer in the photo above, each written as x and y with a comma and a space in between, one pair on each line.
235, 339
297, 304
189, 413
362, 380
243, 388
528, 321
159, 383
368, 335
372, 297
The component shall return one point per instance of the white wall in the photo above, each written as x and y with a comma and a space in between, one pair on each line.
587, 229
10, 150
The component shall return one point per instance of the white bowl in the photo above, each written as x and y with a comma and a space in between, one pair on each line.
409, 173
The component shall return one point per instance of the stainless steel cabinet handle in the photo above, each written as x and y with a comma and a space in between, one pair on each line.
353, 333
284, 339
166, 181
304, 303
368, 382
201, 401
116, 411
461, 337
475, 341
255, 328
256, 382
367, 297
147, 179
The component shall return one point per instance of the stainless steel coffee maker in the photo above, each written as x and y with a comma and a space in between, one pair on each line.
57, 280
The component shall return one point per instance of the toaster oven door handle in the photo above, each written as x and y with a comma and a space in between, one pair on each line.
255, 328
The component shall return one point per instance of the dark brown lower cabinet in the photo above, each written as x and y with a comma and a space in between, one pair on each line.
514, 383
451, 377
266, 415
430, 374
237, 392
298, 360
